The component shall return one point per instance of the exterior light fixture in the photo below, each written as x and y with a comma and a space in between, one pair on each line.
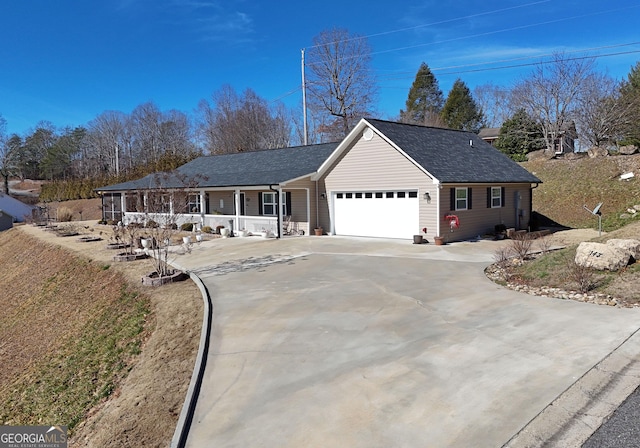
427, 197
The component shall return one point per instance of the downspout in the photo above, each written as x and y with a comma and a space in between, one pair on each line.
317, 210
308, 212
531, 188
279, 214
438, 188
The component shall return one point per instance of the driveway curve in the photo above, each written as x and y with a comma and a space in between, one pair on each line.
333, 341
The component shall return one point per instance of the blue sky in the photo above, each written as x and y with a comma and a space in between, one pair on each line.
66, 61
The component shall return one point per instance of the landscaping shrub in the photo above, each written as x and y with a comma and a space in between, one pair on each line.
187, 227
65, 214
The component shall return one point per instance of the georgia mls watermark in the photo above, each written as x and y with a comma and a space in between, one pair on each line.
33, 437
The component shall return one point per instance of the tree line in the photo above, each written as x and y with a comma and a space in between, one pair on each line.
563, 94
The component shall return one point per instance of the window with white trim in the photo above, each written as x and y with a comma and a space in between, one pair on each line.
461, 199
193, 204
496, 197
269, 206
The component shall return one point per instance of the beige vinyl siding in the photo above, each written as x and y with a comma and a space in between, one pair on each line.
298, 191
323, 219
214, 202
481, 220
376, 166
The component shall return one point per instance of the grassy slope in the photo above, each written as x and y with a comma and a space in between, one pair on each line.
570, 184
68, 331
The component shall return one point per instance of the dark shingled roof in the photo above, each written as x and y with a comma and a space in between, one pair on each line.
449, 157
268, 167
444, 153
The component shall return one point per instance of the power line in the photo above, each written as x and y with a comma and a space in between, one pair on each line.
488, 33
524, 65
562, 19
411, 28
540, 56
410, 75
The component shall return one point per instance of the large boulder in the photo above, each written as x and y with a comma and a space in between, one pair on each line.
631, 246
628, 150
541, 154
601, 256
597, 152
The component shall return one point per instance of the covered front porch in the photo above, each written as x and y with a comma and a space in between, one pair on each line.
254, 209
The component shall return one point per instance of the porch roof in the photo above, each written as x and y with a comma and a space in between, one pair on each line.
244, 169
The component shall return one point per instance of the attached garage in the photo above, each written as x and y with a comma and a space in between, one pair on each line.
383, 214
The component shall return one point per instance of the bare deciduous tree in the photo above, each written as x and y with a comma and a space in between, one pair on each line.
103, 144
494, 101
551, 94
145, 126
602, 117
5, 155
340, 81
236, 123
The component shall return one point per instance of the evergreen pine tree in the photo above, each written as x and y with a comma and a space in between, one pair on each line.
460, 111
425, 99
631, 99
519, 135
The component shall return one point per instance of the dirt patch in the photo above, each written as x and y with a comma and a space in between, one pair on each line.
144, 409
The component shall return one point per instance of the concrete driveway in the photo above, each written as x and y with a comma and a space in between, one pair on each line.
329, 341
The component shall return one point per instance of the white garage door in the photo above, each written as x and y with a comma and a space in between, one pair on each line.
386, 214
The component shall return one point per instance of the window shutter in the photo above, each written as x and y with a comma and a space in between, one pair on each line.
489, 197
469, 198
502, 196
452, 199
260, 203
287, 199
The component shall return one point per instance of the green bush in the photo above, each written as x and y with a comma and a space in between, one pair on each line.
207, 229
187, 227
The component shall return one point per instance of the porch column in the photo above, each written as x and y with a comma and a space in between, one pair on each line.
123, 206
203, 208
279, 203
236, 199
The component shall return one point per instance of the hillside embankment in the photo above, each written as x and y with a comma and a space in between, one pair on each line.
82, 345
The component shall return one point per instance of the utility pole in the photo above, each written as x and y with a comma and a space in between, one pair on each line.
117, 152
304, 102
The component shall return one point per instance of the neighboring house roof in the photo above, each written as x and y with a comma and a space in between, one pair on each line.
489, 133
448, 155
255, 168
19, 210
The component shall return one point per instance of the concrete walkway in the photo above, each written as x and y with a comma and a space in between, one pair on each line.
332, 341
